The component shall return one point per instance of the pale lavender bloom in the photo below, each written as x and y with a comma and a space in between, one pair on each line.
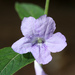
39, 39
38, 69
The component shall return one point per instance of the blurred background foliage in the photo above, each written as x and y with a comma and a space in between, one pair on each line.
63, 12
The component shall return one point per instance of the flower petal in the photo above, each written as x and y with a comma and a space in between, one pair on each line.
41, 54
56, 43
21, 45
44, 26
38, 69
27, 26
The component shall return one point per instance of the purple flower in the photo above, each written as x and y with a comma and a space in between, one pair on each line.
38, 69
39, 39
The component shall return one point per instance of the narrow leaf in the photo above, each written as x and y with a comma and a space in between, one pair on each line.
26, 10
10, 62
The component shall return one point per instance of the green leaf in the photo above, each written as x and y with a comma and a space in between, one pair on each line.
10, 61
26, 10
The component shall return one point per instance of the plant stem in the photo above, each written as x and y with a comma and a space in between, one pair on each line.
46, 7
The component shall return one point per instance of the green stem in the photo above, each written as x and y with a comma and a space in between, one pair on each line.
46, 7
41, 65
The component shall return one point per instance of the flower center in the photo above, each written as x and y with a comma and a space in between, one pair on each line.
40, 40
37, 40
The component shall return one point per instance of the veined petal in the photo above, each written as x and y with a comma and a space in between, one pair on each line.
27, 26
44, 26
56, 43
41, 54
21, 45
38, 69
50, 27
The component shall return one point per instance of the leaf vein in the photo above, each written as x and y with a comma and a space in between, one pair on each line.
9, 62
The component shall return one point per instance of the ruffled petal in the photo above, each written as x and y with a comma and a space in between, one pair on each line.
38, 69
56, 43
27, 26
44, 26
41, 54
21, 46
